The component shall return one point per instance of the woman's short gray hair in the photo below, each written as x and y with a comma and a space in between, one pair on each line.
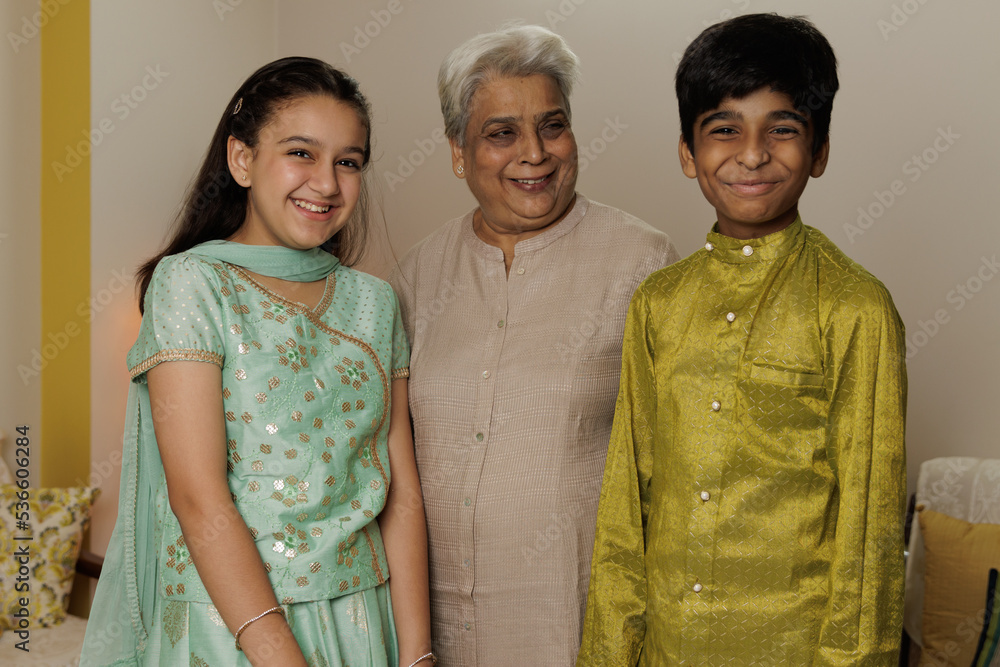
520, 50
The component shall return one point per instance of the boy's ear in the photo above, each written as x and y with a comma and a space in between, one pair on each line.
687, 159
457, 159
239, 157
820, 159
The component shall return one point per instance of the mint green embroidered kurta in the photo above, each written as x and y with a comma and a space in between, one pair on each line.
752, 503
306, 393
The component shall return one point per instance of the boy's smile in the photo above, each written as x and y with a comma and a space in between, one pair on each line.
752, 158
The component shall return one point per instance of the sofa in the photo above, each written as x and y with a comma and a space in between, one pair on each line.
35, 587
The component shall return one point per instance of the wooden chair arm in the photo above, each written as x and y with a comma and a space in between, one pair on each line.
89, 564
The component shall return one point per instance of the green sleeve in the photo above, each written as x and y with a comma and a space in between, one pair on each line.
400, 345
865, 353
184, 316
614, 625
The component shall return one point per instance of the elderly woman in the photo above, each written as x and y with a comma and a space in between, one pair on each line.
515, 312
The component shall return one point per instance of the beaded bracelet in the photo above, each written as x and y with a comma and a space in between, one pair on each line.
424, 657
272, 610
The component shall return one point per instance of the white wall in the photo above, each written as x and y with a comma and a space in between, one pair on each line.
931, 70
177, 64
20, 231
912, 73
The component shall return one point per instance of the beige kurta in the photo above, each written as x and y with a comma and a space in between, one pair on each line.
513, 381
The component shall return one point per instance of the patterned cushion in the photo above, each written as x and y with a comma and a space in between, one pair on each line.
960, 625
961, 487
56, 519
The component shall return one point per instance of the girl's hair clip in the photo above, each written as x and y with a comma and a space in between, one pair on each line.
239, 105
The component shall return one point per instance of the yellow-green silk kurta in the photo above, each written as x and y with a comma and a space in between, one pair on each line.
752, 504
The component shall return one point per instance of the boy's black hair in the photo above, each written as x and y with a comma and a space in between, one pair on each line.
737, 57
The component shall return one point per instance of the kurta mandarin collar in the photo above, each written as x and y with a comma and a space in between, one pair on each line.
537, 242
764, 249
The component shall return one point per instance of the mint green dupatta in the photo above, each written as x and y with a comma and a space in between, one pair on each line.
304, 266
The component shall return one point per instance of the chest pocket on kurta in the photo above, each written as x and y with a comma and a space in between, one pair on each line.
785, 401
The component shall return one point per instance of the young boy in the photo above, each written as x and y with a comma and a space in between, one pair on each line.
751, 512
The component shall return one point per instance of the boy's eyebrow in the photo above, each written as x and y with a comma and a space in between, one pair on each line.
727, 114
789, 115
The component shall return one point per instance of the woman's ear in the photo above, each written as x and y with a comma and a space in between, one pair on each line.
240, 158
457, 158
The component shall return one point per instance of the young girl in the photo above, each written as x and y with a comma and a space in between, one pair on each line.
256, 501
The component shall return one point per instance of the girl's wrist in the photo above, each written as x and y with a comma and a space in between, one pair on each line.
425, 660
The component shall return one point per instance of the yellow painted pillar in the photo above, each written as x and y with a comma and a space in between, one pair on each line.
65, 239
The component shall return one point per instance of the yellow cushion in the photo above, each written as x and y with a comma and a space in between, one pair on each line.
957, 583
39, 570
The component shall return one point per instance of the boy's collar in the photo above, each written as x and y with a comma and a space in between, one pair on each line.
763, 249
